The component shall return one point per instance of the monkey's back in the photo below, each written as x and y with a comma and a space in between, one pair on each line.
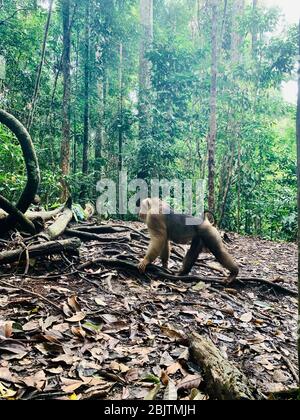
181, 228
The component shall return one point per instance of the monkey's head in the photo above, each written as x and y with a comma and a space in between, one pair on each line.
155, 206
145, 207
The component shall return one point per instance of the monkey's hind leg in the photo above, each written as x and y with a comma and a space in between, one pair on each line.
165, 254
215, 245
191, 256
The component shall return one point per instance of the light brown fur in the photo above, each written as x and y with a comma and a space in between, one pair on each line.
165, 226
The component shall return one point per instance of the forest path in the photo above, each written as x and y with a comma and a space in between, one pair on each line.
117, 334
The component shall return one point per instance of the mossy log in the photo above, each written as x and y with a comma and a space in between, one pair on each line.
223, 380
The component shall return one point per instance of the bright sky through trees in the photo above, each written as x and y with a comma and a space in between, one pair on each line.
291, 10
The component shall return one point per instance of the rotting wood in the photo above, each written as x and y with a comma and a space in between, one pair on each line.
223, 381
21, 219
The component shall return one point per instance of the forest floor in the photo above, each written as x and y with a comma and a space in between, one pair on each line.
96, 332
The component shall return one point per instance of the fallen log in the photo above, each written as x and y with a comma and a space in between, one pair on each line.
59, 226
69, 246
223, 381
44, 215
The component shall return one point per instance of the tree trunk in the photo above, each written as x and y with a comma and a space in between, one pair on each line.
65, 144
239, 189
86, 122
39, 73
229, 168
100, 132
120, 125
75, 129
31, 162
145, 102
298, 173
254, 30
213, 108
238, 7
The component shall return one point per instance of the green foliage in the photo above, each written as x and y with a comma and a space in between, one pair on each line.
255, 154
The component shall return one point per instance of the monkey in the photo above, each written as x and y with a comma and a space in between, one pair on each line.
164, 225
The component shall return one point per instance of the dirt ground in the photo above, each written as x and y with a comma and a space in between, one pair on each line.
69, 333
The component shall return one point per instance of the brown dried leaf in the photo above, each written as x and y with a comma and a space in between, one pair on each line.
70, 385
175, 367
78, 332
31, 326
172, 333
73, 303
79, 316
189, 382
37, 380
166, 359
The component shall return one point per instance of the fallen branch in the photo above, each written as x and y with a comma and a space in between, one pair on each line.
85, 236
59, 226
223, 381
45, 249
22, 220
44, 215
100, 229
154, 269
274, 286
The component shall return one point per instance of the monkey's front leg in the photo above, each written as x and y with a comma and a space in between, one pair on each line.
155, 249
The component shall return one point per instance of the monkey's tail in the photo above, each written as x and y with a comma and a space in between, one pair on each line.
212, 219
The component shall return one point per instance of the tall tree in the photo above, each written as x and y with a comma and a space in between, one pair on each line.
65, 144
213, 106
120, 122
254, 28
238, 7
86, 122
145, 114
39, 72
298, 173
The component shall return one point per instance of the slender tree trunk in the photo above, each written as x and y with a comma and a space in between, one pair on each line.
60, 62
145, 101
39, 73
120, 125
65, 145
100, 132
238, 8
230, 166
223, 23
254, 30
86, 134
239, 189
298, 173
213, 108
75, 133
